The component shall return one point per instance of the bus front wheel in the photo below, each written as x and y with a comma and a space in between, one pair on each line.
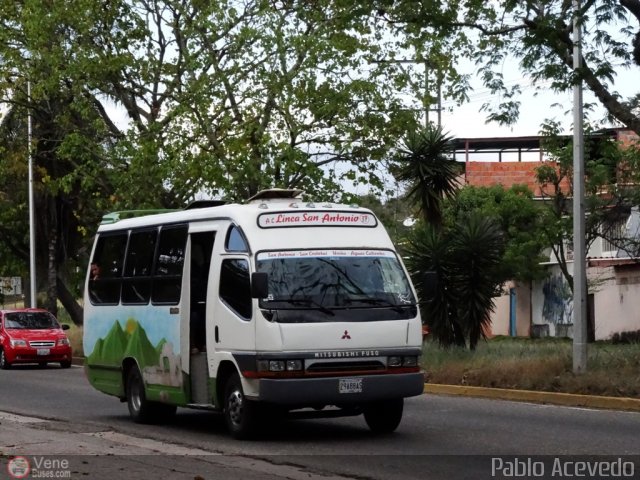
239, 413
384, 416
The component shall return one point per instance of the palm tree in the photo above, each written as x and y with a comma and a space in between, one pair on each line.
465, 255
425, 162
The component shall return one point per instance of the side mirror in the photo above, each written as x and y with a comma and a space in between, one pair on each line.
259, 285
429, 284
65, 326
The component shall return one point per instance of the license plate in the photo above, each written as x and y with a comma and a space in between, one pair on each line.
350, 385
43, 351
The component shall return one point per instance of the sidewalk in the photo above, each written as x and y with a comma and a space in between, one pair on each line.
38, 448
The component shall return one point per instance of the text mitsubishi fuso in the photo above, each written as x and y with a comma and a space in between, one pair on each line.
274, 307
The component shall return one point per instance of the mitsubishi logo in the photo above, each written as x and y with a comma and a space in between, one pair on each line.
346, 335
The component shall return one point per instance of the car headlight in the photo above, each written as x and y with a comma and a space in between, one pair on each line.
18, 343
63, 342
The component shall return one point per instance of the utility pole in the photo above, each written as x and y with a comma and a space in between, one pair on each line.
32, 233
579, 247
426, 105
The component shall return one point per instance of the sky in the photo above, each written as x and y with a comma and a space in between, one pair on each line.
467, 121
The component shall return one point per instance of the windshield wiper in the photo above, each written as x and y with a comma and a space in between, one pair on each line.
305, 301
379, 301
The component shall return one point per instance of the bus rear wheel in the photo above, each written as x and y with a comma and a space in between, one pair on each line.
384, 416
240, 414
142, 410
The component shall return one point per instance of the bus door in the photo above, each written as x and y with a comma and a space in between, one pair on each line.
232, 305
199, 265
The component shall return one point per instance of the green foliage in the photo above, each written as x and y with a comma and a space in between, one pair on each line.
393, 213
425, 163
611, 192
466, 258
519, 219
535, 36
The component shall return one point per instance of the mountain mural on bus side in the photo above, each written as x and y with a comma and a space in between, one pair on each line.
159, 364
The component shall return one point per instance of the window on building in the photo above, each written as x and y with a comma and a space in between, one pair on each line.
612, 234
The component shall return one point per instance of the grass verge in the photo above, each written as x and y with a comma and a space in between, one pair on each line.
537, 364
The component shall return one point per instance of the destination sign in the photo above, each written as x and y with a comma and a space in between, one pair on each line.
316, 219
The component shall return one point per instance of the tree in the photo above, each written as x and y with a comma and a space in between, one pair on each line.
537, 35
612, 188
465, 254
424, 163
221, 98
519, 219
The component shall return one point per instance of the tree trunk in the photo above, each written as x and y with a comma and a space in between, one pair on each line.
68, 300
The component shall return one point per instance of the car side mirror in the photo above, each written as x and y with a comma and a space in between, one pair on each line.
429, 284
259, 285
65, 326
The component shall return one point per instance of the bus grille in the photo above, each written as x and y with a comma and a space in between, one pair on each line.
329, 367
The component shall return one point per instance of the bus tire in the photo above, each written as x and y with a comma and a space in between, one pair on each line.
384, 416
240, 414
142, 410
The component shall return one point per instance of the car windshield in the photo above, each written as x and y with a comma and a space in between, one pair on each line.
30, 320
328, 280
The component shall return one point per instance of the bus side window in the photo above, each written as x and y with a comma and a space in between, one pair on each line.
136, 283
167, 280
235, 241
106, 269
235, 286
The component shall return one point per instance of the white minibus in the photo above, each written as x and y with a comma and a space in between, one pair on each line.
278, 306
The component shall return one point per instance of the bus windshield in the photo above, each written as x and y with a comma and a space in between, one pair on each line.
333, 280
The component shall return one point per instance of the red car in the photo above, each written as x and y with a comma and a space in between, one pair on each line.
32, 335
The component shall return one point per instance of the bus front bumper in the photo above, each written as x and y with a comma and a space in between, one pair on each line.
340, 390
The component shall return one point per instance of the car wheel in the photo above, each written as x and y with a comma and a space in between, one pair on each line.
4, 363
384, 416
42, 364
240, 414
66, 364
140, 409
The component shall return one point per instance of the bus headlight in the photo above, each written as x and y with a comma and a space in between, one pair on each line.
410, 361
394, 361
294, 365
276, 365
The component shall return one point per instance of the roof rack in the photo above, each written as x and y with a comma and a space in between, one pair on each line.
114, 217
276, 193
205, 204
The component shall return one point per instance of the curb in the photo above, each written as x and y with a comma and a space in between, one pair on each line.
552, 398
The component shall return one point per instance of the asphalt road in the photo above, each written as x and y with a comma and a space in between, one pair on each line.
440, 436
